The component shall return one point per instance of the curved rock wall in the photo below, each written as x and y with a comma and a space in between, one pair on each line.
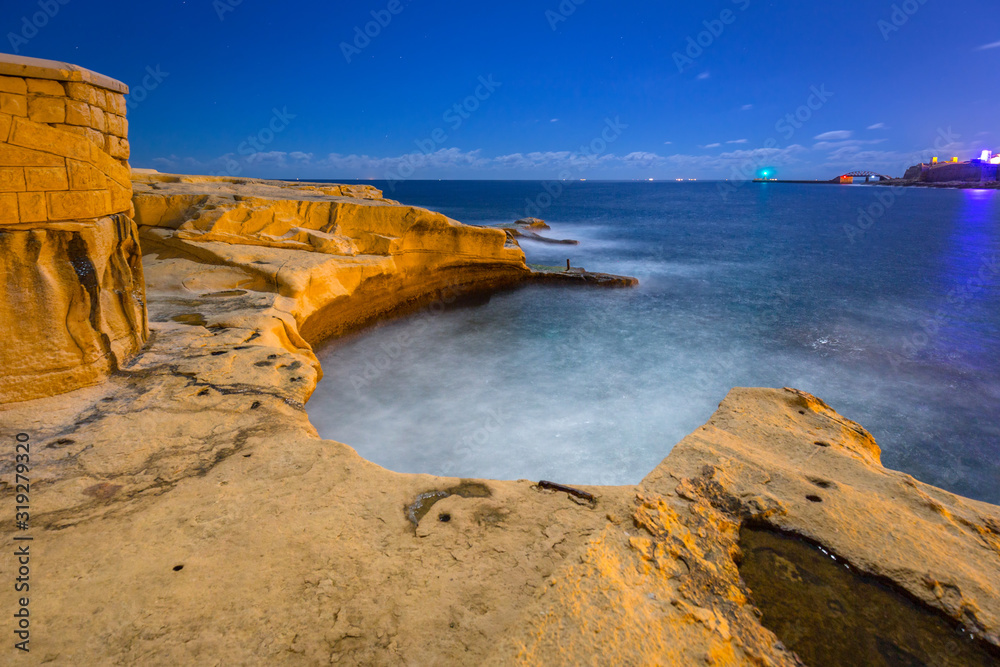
338, 256
74, 308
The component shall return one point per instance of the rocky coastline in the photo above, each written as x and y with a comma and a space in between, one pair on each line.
185, 511
947, 185
216, 525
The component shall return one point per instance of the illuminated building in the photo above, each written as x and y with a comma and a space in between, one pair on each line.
983, 169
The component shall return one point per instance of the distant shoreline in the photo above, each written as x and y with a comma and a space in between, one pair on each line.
898, 182
948, 185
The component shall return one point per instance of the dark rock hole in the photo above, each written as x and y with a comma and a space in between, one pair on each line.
419, 508
832, 615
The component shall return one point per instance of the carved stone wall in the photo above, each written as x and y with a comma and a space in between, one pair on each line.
73, 306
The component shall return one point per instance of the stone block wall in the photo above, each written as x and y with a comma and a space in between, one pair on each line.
73, 308
959, 171
950, 172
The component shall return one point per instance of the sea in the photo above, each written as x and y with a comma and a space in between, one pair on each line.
885, 303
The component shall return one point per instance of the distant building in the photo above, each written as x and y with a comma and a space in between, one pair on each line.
983, 169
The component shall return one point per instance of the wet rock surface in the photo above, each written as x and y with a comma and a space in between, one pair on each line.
831, 615
580, 276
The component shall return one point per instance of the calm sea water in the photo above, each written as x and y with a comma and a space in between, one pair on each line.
898, 328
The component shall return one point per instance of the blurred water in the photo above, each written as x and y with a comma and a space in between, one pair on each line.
899, 330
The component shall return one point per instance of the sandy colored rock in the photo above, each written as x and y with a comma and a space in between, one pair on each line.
188, 513
671, 577
338, 256
73, 310
47, 109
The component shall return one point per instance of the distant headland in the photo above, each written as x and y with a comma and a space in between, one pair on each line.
981, 173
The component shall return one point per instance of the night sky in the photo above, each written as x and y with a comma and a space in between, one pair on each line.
595, 89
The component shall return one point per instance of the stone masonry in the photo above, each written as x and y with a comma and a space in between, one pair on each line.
73, 309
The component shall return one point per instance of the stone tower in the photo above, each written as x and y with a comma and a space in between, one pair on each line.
73, 305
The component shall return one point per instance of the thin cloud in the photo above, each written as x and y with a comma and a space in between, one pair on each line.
877, 126
703, 76
987, 47
833, 156
737, 141
667, 143
830, 145
836, 135
727, 163
280, 163
554, 120
746, 107
889, 161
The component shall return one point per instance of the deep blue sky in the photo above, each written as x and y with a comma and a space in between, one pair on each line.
607, 60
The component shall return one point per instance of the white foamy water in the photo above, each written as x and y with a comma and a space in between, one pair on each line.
596, 386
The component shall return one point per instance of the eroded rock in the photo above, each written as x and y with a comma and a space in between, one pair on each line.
73, 308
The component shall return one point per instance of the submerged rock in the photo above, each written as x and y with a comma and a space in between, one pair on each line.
532, 223
532, 236
580, 276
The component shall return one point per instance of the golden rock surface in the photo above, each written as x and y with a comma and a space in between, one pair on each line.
186, 511
74, 306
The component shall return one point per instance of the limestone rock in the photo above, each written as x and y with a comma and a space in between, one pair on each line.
338, 256
532, 223
74, 307
668, 590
